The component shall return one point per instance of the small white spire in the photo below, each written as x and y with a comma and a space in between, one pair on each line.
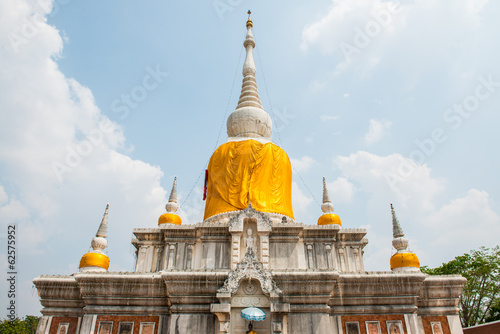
399, 242
327, 206
249, 120
172, 206
173, 193
249, 93
103, 228
403, 260
99, 243
397, 231
326, 196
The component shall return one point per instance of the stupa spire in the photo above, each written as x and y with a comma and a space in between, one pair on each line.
96, 260
397, 231
171, 217
173, 193
326, 196
328, 216
249, 120
403, 259
103, 227
249, 93
172, 206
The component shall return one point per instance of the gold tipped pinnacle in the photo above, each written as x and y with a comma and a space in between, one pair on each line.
249, 21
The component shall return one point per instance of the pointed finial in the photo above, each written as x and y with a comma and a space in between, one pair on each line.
249, 119
173, 193
99, 243
327, 205
326, 196
328, 216
96, 260
249, 21
403, 260
172, 206
103, 228
397, 231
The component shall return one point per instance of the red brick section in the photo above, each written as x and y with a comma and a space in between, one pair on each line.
490, 328
442, 319
380, 318
132, 318
73, 322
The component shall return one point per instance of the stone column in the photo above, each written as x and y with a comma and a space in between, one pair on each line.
44, 325
88, 324
141, 258
223, 312
189, 256
355, 252
329, 257
310, 256
279, 312
455, 324
171, 256
411, 321
343, 262
336, 324
155, 266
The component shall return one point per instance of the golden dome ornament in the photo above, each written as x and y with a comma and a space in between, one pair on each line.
171, 217
96, 260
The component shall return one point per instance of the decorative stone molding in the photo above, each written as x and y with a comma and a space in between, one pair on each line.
263, 221
235, 249
249, 121
250, 288
247, 301
250, 268
264, 250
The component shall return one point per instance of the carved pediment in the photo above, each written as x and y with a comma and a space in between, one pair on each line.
250, 268
263, 221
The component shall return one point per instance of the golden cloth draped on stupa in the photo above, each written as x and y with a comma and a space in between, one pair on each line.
243, 172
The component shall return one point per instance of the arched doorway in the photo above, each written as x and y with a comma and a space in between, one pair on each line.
248, 294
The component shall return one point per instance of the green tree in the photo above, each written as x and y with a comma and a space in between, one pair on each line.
481, 293
27, 325
494, 312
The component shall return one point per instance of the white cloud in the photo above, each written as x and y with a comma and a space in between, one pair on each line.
46, 118
301, 203
3, 195
12, 210
432, 225
391, 178
363, 34
345, 18
341, 190
302, 164
469, 221
376, 131
193, 208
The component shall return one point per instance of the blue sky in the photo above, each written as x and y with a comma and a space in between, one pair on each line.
390, 101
